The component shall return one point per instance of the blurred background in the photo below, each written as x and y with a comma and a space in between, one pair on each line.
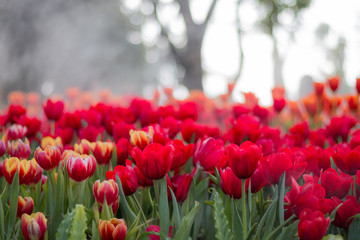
139, 46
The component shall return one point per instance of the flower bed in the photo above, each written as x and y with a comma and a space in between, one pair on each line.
194, 169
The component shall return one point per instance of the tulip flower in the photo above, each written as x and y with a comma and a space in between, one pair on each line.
127, 177
335, 184
103, 152
334, 83
15, 112
154, 161
358, 85
25, 205
90, 133
123, 150
319, 88
121, 130
230, 183
142, 180
244, 159
107, 189
49, 141
155, 228
171, 125
32, 124
53, 109
181, 155
16, 131
312, 225
80, 167
33, 226
349, 208
84, 147
141, 139
29, 172
2, 148
279, 104
208, 154
19, 149
48, 158
275, 165
347, 160
181, 185
113, 229
10, 167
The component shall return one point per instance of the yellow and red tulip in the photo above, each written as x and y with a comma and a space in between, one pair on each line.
107, 189
10, 167
25, 205
33, 226
103, 152
29, 172
49, 141
19, 149
140, 138
49, 157
113, 229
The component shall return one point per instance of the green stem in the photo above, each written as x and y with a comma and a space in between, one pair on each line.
354, 187
243, 197
140, 209
52, 127
270, 236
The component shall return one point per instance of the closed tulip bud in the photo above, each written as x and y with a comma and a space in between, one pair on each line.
155, 161
54, 109
10, 167
244, 159
113, 229
208, 154
19, 149
123, 150
140, 138
230, 183
181, 185
33, 226
107, 189
279, 104
84, 147
127, 177
103, 152
49, 141
353, 102
29, 172
319, 88
80, 167
334, 83
25, 205
155, 228
16, 131
48, 158
312, 225
2, 148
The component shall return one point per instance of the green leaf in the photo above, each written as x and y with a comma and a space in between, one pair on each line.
288, 232
164, 215
95, 231
2, 220
176, 212
281, 197
264, 218
354, 229
130, 215
333, 213
270, 220
333, 165
13, 205
221, 221
185, 227
237, 229
64, 228
79, 225
251, 231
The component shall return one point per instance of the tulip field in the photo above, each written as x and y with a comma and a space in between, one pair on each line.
131, 168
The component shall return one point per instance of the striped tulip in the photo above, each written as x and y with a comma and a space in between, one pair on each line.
48, 158
33, 226
106, 190
103, 152
25, 205
10, 167
19, 149
80, 167
113, 229
29, 172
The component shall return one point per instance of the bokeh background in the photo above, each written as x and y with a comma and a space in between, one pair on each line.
139, 46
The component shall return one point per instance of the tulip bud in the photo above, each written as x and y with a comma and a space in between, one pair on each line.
103, 152
19, 149
107, 189
33, 226
123, 150
16, 131
334, 83
25, 205
312, 225
155, 228
53, 109
319, 88
10, 167
80, 167
48, 158
140, 138
113, 229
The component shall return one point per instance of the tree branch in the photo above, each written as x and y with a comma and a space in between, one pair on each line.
185, 11
210, 13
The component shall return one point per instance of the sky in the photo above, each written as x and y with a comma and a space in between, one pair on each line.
304, 56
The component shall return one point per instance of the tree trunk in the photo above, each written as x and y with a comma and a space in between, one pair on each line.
278, 65
193, 69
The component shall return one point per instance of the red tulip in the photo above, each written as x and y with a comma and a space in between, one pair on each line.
80, 167
16, 131
171, 125
319, 88
123, 150
208, 154
127, 177
142, 180
33, 226
113, 229
10, 167
32, 124
121, 130
29, 172
191, 131
244, 159
335, 184
181, 155
188, 110
48, 158
25, 205
279, 104
19, 149
107, 189
155, 161
358, 85
334, 83
347, 160
15, 112
2, 148
312, 225
53, 109
181, 185
230, 183
90, 133
155, 228
349, 208
103, 152
275, 165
